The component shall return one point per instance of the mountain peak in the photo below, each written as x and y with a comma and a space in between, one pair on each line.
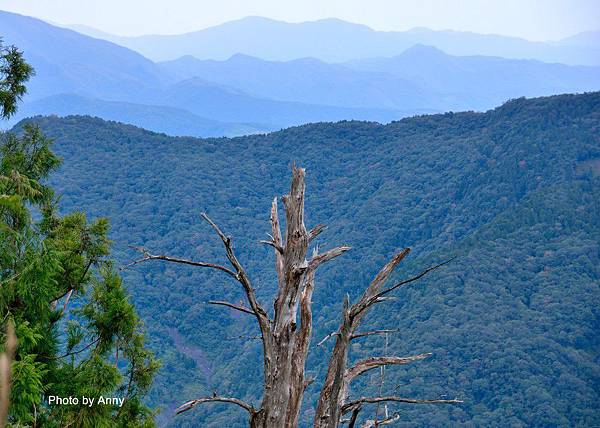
420, 50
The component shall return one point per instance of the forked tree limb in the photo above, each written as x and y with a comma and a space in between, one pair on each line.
336, 386
381, 295
370, 295
242, 277
358, 335
373, 400
215, 399
374, 362
238, 273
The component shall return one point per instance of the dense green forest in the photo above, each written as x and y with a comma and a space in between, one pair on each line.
513, 193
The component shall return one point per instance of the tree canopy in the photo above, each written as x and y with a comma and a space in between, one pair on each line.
77, 333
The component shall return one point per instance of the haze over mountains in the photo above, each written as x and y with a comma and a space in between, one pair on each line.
79, 74
422, 77
333, 40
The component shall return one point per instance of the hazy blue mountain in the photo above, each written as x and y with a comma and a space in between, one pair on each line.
307, 80
422, 77
169, 120
333, 40
68, 62
224, 103
480, 82
88, 31
246, 94
586, 38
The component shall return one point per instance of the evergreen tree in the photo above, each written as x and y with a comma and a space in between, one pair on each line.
77, 333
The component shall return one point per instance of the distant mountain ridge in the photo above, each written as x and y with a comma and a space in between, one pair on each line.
168, 120
244, 94
421, 78
71, 64
334, 40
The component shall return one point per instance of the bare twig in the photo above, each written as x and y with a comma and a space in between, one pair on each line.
371, 333
216, 399
414, 278
372, 400
148, 256
231, 305
79, 351
242, 277
326, 338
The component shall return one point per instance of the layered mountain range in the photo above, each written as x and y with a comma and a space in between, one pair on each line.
243, 94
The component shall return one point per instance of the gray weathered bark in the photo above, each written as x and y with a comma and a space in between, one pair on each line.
286, 337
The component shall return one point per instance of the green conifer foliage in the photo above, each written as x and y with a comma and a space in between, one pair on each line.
77, 333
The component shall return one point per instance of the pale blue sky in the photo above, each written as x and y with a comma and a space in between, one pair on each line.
530, 19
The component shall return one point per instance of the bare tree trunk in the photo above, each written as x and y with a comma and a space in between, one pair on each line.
286, 337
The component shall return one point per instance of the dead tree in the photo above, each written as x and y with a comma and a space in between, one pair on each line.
286, 335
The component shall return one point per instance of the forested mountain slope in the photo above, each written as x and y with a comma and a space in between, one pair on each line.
513, 193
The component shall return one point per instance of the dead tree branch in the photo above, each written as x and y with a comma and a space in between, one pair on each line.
231, 305
316, 231
148, 256
326, 338
373, 400
414, 278
374, 362
371, 333
190, 404
242, 277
